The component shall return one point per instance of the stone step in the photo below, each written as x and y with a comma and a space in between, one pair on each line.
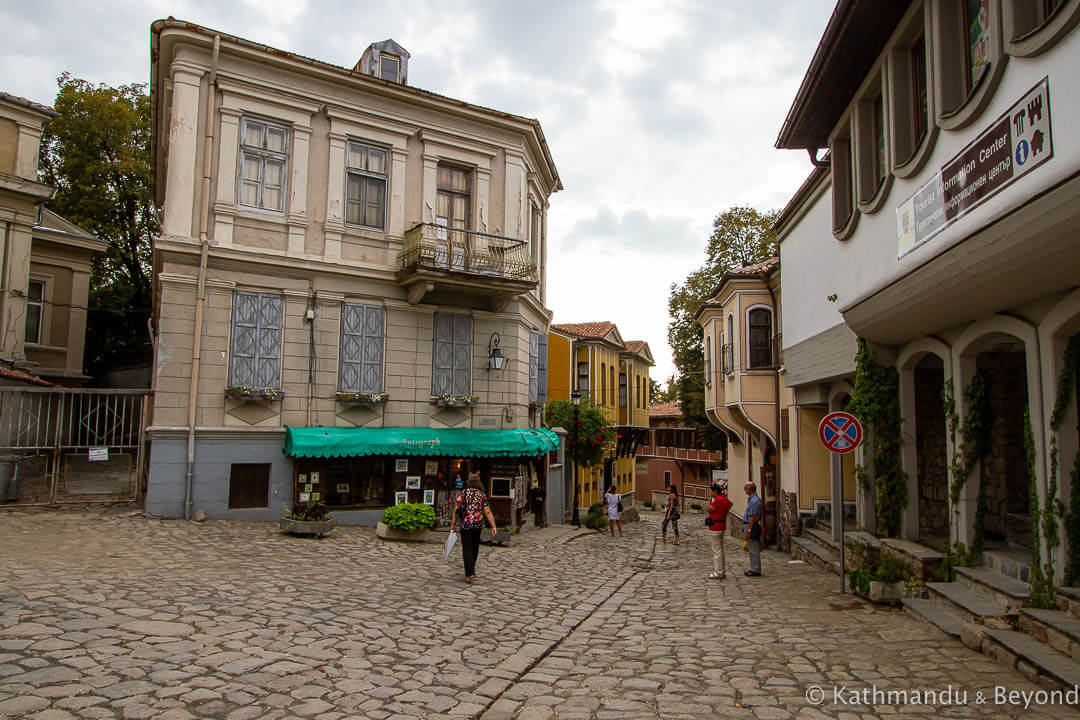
814, 554
822, 538
969, 605
1013, 563
1038, 662
1068, 599
921, 560
1056, 628
934, 614
1002, 589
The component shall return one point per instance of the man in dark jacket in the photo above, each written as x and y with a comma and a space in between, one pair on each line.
537, 498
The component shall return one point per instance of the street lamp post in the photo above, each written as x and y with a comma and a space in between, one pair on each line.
575, 398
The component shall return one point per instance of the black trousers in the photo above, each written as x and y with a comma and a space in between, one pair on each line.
470, 548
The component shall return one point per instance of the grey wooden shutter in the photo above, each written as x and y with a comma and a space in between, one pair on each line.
442, 370
255, 354
462, 354
534, 366
542, 367
362, 339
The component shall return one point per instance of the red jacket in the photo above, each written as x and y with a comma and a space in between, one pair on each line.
718, 512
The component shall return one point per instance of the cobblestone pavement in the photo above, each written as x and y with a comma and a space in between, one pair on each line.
113, 615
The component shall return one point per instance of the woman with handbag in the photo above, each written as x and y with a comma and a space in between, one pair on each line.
672, 514
614, 506
472, 508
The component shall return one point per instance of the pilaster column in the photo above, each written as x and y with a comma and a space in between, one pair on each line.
183, 147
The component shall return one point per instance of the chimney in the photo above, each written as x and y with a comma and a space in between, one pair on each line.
386, 60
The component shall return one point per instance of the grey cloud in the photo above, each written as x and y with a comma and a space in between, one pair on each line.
635, 232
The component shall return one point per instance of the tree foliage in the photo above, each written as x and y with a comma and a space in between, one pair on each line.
97, 154
588, 431
741, 236
662, 394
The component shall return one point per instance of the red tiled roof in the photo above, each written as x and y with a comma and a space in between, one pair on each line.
668, 409
635, 346
596, 330
756, 269
24, 377
27, 103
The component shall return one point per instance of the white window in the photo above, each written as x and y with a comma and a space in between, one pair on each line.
389, 67
362, 341
583, 378
365, 185
452, 357
255, 351
263, 162
35, 310
759, 338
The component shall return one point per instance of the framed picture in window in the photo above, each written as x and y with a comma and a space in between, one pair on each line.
401, 465
304, 497
301, 479
412, 482
343, 488
401, 497
429, 497
431, 467
500, 487
314, 478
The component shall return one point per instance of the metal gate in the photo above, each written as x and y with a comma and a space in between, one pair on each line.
71, 445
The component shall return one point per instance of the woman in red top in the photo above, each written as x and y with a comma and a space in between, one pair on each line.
472, 507
717, 522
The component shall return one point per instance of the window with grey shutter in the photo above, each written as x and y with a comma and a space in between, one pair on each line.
362, 339
542, 367
452, 354
255, 352
534, 366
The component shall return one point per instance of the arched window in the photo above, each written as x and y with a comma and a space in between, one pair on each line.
760, 353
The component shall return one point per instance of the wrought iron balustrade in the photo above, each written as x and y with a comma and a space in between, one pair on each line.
435, 247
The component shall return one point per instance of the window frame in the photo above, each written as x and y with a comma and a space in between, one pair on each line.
232, 379
750, 328
873, 172
365, 175
624, 391
455, 341
959, 100
731, 344
263, 154
845, 211
397, 62
910, 148
42, 306
1030, 40
583, 377
361, 386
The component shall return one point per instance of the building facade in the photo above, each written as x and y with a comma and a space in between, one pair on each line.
673, 454
612, 374
942, 226
342, 254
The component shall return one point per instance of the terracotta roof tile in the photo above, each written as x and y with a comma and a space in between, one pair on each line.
11, 374
757, 268
595, 330
668, 409
27, 103
635, 346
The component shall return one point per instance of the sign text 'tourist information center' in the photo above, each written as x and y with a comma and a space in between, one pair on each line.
1015, 144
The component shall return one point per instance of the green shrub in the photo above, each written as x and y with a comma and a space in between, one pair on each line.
871, 564
859, 580
596, 518
695, 506
409, 517
648, 504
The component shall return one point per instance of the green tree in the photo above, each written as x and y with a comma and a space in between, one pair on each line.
588, 431
97, 154
741, 236
662, 394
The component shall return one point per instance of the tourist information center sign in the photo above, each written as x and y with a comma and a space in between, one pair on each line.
1015, 144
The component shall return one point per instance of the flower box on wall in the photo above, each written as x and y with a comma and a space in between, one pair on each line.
239, 392
353, 399
455, 401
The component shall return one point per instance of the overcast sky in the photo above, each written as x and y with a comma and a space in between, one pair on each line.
659, 115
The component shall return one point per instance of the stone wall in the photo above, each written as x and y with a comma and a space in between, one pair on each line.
1005, 468
930, 443
788, 520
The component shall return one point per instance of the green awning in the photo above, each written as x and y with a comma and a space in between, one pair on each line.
401, 441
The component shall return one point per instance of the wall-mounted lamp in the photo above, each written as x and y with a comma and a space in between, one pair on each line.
495, 356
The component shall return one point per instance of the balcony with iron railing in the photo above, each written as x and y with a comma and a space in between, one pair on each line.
440, 263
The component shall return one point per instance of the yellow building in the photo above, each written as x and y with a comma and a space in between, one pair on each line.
745, 396
612, 374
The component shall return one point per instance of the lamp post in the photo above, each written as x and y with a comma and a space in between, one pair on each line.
575, 398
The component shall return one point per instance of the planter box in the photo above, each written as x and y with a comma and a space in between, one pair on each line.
890, 593
404, 535
309, 528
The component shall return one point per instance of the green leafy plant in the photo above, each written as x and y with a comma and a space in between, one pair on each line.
361, 398
1066, 393
955, 555
695, 506
873, 565
875, 400
311, 511
409, 517
458, 400
975, 444
241, 392
596, 518
1043, 524
588, 432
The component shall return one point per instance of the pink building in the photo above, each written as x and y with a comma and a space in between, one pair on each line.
673, 454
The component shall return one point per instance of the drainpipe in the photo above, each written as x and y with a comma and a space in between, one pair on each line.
200, 296
779, 430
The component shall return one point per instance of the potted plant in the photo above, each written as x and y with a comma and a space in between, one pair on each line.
456, 401
241, 392
361, 398
310, 519
407, 521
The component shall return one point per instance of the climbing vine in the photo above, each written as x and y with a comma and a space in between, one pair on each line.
875, 400
1066, 392
1042, 576
974, 447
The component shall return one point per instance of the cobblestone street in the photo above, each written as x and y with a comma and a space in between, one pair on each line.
116, 615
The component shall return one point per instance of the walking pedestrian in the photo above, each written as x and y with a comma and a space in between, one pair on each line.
717, 522
672, 514
472, 508
614, 505
753, 518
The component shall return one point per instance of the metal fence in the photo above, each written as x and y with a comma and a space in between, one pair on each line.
68, 445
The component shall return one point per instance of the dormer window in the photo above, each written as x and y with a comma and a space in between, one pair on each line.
389, 67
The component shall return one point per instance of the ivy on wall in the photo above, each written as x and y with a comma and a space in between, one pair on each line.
1043, 523
875, 400
1066, 393
973, 448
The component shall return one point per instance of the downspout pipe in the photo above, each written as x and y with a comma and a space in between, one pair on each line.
200, 295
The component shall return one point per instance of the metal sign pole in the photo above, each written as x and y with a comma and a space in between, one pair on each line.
838, 510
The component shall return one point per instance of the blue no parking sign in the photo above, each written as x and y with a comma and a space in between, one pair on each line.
840, 432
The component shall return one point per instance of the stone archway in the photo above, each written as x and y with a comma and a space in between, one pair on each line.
925, 366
